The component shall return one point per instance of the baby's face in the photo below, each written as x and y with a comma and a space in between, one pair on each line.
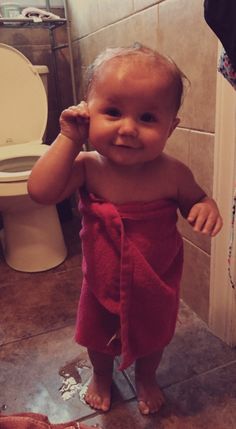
132, 112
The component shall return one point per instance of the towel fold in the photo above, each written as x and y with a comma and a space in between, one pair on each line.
132, 265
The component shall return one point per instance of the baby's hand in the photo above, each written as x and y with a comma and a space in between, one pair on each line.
74, 123
205, 217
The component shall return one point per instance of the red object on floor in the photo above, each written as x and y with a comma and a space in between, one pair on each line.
32, 421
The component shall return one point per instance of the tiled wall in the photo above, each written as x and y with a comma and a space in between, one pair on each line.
176, 28
36, 45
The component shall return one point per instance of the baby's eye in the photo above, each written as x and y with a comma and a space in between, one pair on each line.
113, 111
148, 117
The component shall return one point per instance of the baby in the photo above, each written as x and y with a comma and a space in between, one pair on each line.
129, 193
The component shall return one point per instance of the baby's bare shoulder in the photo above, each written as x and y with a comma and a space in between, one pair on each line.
89, 159
87, 155
93, 166
176, 167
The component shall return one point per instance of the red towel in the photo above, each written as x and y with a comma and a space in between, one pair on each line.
32, 421
132, 265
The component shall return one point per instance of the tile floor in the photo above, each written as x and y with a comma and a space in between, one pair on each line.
42, 369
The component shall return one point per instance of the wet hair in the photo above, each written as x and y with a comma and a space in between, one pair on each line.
179, 81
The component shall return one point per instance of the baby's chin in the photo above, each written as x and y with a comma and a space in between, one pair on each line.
125, 156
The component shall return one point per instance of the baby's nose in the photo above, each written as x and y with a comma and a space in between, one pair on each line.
128, 127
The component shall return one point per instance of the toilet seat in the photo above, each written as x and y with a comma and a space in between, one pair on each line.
16, 162
23, 112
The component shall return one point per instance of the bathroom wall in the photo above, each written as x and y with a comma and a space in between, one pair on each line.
176, 28
36, 44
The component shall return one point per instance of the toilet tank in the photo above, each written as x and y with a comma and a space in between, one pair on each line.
43, 73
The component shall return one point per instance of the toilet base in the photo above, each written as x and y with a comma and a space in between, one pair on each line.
33, 240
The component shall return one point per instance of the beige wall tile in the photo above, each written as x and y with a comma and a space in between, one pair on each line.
199, 240
178, 145
91, 15
140, 4
201, 159
184, 35
111, 11
196, 279
134, 29
123, 33
88, 48
84, 17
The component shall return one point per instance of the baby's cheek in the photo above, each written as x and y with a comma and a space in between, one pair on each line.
92, 129
97, 129
95, 137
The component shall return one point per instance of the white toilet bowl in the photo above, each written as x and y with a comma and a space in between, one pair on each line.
32, 236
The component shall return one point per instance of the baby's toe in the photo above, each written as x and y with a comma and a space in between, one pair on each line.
105, 405
143, 407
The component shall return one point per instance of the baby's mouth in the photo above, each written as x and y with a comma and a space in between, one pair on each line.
125, 146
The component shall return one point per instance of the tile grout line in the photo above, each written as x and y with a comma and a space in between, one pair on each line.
33, 336
195, 376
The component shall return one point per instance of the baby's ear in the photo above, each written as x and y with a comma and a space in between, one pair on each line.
174, 124
83, 108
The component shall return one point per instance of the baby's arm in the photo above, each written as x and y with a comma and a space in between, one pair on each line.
199, 210
60, 171
204, 216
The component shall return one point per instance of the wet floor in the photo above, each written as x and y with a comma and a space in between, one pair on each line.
43, 370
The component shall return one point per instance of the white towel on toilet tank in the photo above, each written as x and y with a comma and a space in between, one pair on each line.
38, 14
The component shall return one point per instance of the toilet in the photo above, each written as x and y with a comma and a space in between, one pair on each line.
32, 237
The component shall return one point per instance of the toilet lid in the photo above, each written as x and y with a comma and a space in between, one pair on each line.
23, 100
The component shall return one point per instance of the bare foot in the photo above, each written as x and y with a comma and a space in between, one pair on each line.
150, 397
98, 395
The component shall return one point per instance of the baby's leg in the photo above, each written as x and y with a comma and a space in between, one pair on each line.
98, 395
149, 395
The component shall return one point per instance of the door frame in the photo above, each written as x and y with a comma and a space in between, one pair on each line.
222, 308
